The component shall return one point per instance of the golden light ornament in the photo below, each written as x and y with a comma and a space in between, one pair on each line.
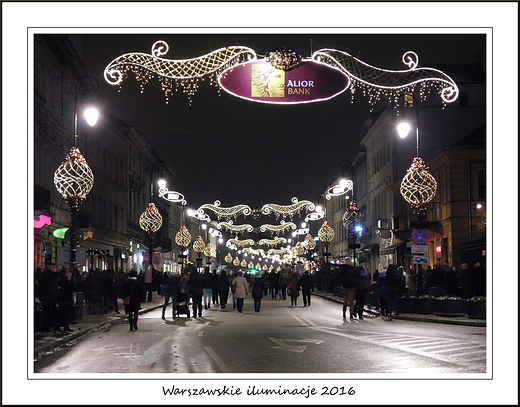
199, 245
326, 233
208, 250
288, 210
243, 263
309, 243
228, 213
151, 220
183, 237
351, 215
418, 186
236, 262
228, 258
250, 265
74, 178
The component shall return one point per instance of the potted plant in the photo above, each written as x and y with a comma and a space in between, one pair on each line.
476, 307
424, 304
449, 306
407, 305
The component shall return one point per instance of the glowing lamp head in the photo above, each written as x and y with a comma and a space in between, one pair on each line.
358, 228
91, 116
403, 129
161, 183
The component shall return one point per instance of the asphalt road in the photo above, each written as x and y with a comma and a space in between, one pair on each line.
279, 339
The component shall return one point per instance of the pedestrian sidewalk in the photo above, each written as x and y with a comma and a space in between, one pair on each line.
46, 343
412, 317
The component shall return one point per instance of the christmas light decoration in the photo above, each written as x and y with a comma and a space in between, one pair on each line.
378, 83
351, 215
199, 245
309, 243
284, 58
288, 210
236, 262
235, 228
151, 220
227, 213
74, 179
326, 233
172, 196
277, 229
228, 259
272, 242
243, 263
173, 74
342, 188
418, 186
208, 250
240, 243
183, 237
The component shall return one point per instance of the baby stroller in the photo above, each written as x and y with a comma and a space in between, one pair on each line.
182, 305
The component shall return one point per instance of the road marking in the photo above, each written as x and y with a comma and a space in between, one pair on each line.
293, 348
223, 367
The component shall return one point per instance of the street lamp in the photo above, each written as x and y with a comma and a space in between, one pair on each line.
74, 178
418, 186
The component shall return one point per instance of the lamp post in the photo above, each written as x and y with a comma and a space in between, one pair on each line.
418, 186
74, 178
326, 235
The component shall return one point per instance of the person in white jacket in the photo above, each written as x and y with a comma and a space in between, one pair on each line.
240, 287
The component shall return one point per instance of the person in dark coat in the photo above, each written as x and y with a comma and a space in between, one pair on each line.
214, 289
306, 285
196, 285
452, 282
170, 290
134, 291
223, 285
258, 291
293, 287
478, 274
207, 288
364, 285
350, 277
384, 295
66, 289
273, 284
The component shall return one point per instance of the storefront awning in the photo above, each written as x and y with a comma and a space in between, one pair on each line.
391, 249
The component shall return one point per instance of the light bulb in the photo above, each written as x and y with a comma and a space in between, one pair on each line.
91, 116
403, 129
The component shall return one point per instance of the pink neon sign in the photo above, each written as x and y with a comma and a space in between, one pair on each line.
42, 221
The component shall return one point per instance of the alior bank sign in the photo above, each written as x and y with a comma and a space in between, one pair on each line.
259, 81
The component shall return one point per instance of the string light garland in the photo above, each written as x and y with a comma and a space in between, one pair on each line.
151, 220
284, 58
240, 243
378, 83
233, 212
235, 228
74, 178
418, 186
288, 210
277, 229
272, 242
174, 74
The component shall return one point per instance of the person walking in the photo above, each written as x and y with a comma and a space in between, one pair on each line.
384, 295
171, 291
223, 285
293, 287
134, 294
240, 287
306, 285
364, 285
207, 288
258, 291
350, 277
195, 284
214, 289
273, 283
282, 283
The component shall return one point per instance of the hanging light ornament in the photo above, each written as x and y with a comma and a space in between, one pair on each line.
151, 220
236, 262
183, 237
208, 250
418, 186
228, 259
284, 58
326, 233
243, 263
309, 243
74, 178
351, 215
199, 245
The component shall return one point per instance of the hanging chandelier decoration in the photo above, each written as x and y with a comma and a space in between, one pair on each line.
74, 179
288, 210
199, 245
418, 186
326, 233
151, 220
284, 58
228, 213
185, 74
351, 215
183, 237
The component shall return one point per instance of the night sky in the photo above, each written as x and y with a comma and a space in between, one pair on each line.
237, 151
